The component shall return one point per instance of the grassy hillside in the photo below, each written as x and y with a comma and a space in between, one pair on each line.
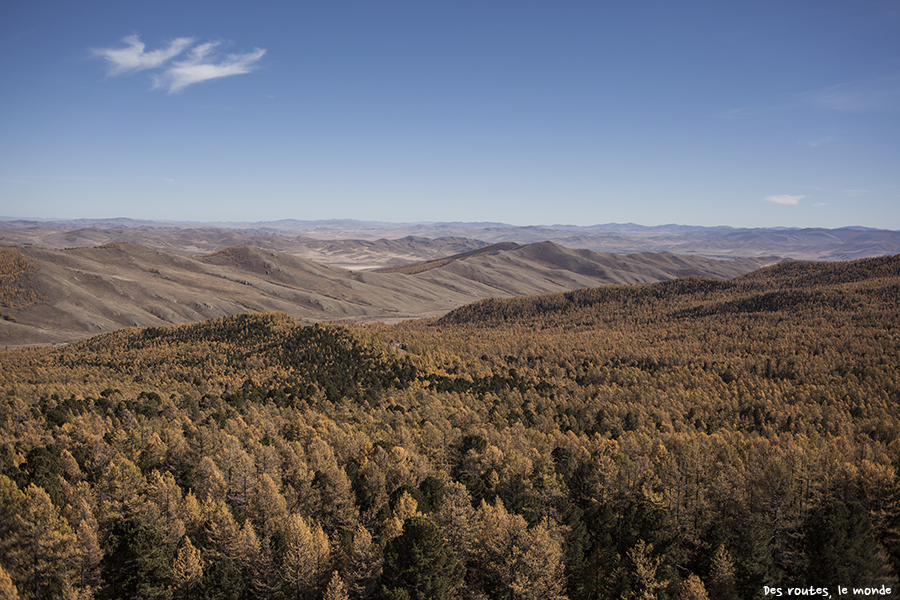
600, 443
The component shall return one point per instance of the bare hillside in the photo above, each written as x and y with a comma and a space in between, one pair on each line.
357, 254
86, 291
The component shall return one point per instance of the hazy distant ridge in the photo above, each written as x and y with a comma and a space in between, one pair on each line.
352, 243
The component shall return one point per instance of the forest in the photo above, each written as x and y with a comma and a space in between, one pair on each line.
690, 439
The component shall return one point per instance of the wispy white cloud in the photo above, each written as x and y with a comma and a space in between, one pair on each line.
785, 199
876, 94
744, 112
816, 142
200, 64
848, 193
133, 57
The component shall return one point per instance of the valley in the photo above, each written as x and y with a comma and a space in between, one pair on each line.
90, 290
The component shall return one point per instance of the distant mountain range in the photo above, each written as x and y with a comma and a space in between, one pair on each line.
371, 244
90, 290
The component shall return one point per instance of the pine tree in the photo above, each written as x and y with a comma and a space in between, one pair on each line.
419, 565
136, 564
841, 543
12, 504
222, 579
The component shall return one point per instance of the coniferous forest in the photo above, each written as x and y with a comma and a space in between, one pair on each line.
690, 439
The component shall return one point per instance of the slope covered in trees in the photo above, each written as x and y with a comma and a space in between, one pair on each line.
695, 438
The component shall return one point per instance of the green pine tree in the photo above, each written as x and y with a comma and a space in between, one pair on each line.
137, 564
418, 564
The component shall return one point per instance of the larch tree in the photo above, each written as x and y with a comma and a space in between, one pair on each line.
542, 576
264, 580
267, 506
338, 508
163, 505
191, 513
120, 490
336, 589
209, 483
45, 543
362, 567
248, 546
334, 500
222, 529
238, 470
457, 518
187, 569
88, 551
405, 508
722, 582
644, 566
7, 590
513, 561
692, 588
306, 557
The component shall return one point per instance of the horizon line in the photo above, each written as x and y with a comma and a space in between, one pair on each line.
226, 224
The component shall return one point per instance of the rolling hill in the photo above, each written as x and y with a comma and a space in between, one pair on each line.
86, 291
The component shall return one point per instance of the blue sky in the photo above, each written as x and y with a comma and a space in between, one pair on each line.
748, 114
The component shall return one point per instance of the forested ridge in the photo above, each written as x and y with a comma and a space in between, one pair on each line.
695, 438
16, 281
